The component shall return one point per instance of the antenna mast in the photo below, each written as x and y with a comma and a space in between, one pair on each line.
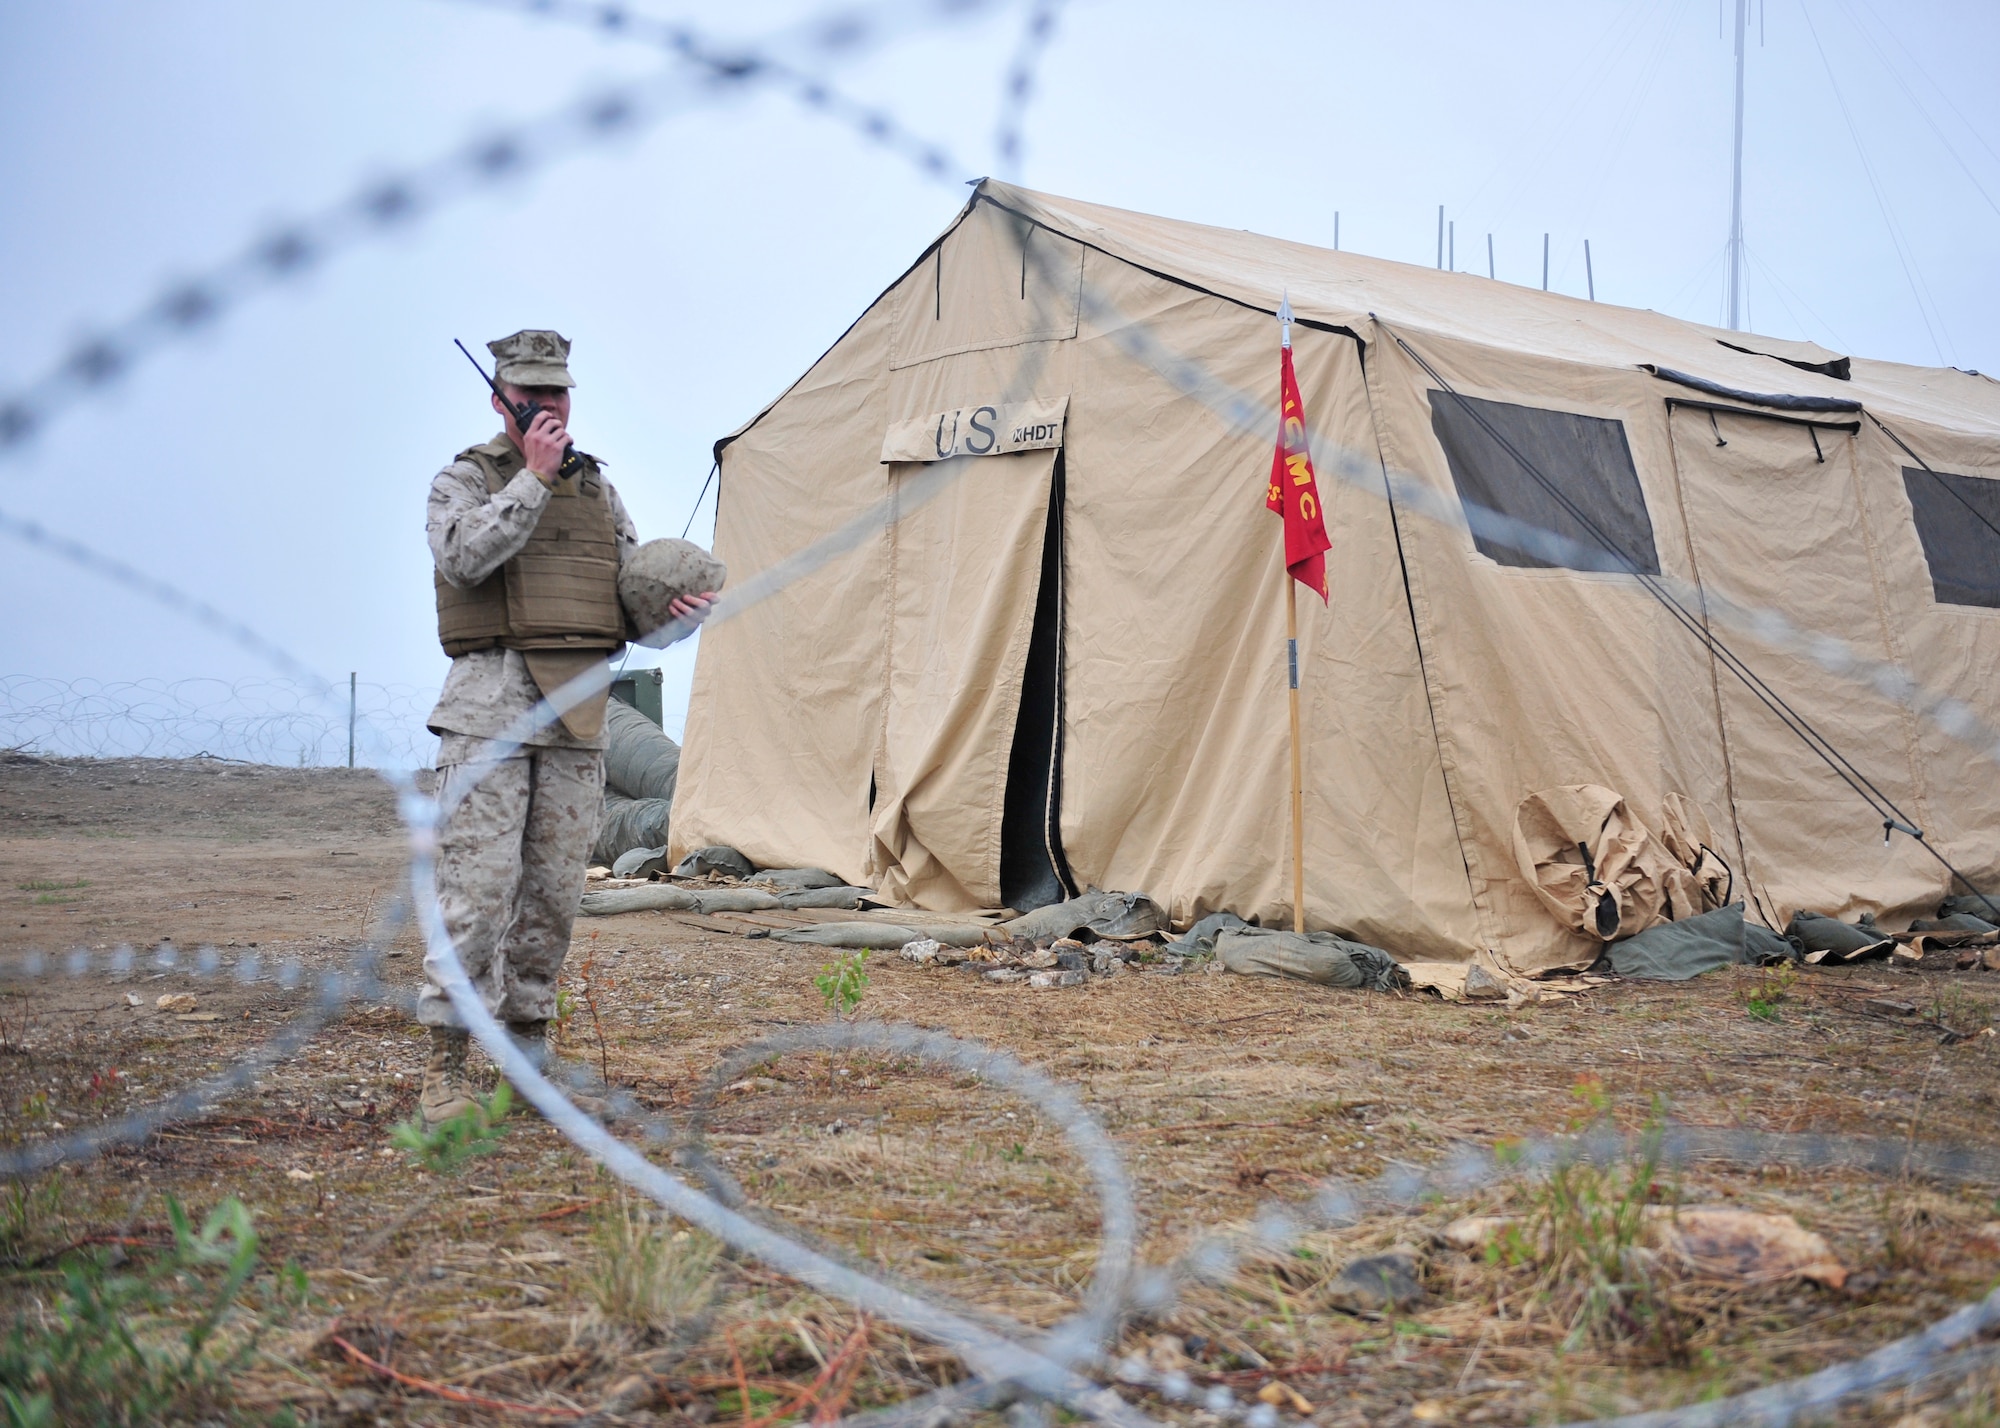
1736, 183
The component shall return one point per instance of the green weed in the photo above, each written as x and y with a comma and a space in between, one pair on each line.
51, 885
118, 1349
1583, 1232
447, 1146
1761, 1000
843, 982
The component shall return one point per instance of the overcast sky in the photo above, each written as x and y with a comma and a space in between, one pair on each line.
276, 464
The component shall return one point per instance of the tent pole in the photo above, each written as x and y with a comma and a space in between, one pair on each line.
1298, 784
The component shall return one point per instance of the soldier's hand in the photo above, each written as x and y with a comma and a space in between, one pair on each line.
692, 608
543, 444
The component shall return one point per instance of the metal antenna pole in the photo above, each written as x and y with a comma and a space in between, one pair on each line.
1440, 237
1545, 262
1589, 274
1451, 245
1736, 183
1336, 230
351, 678
1489, 255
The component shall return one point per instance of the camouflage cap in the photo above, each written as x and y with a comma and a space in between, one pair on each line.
532, 357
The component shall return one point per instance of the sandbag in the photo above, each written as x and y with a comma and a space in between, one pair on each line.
795, 879
660, 897
1764, 948
1986, 909
882, 935
842, 897
1122, 917
714, 859
1677, 951
639, 862
640, 761
668, 898
652, 577
1199, 940
1597, 867
1822, 939
1957, 922
1309, 957
628, 823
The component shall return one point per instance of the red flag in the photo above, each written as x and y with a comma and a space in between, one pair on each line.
1294, 490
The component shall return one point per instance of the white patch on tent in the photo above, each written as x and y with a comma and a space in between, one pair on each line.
988, 429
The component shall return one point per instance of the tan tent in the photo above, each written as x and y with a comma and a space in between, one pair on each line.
1060, 662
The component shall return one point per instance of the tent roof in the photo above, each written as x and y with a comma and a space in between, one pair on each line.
1348, 289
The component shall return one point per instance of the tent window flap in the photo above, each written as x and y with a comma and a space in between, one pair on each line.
1556, 471
1958, 521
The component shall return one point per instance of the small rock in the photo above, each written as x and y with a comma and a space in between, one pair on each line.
1280, 1394
1482, 986
1040, 957
1473, 1233
924, 951
199, 1016
1105, 964
1517, 1033
1376, 1283
1888, 1006
304, 1177
352, 1108
1071, 955
755, 1083
1168, 1354
1006, 974
1058, 977
177, 1002
1429, 1410
132, 999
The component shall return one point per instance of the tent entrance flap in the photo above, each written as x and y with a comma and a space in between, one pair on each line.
964, 578
1033, 872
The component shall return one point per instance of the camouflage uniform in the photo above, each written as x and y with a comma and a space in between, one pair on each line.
511, 855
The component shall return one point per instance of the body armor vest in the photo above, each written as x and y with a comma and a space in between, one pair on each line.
560, 590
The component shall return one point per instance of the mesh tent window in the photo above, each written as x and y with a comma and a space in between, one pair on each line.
1555, 471
1958, 521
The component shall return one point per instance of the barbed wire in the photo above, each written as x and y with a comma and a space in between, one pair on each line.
1061, 1368
701, 72
838, 33
1020, 88
259, 721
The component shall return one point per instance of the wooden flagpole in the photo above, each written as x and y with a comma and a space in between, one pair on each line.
1298, 782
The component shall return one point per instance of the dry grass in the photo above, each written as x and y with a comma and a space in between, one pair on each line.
526, 1276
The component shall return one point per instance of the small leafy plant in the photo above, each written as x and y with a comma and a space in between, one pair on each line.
843, 982
1772, 988
116, 1348
448, 1145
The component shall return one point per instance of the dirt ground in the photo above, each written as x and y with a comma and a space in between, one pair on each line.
509, 1281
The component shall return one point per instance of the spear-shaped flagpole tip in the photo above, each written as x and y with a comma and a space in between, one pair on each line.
1285, 319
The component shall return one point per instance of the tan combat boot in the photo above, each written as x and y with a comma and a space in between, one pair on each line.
532, 1037
446, 1093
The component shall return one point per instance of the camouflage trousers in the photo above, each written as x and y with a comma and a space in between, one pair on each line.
510, 870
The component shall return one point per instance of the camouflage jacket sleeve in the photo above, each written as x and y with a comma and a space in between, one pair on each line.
473, 534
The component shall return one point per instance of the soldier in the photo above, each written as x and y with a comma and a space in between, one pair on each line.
527, 599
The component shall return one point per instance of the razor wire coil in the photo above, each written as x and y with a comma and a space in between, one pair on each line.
1063, 1370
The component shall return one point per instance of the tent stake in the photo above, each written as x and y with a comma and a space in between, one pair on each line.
1298, 783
